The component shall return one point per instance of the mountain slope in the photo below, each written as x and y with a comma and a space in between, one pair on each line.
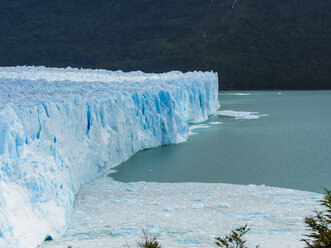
253, 44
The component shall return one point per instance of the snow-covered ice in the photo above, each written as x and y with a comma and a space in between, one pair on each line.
60, 128
185, 214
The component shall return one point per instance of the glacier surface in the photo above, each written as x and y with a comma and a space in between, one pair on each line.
60, 128
185, 215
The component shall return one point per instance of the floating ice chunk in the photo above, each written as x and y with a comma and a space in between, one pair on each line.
190, 133
215, 122
192, 127
196, 126
234, 94
240, 115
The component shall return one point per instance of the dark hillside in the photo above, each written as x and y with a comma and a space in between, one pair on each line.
252, 44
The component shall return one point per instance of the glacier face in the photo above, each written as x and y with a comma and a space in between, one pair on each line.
59, 128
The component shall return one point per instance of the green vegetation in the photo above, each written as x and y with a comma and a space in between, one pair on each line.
320, 225
234, 240
258, 44
149, 240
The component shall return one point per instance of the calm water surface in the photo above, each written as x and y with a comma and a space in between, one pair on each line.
291, 147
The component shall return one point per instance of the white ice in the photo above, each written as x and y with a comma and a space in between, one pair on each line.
240, 115
60, 128
196, 126
234, 94
109, 214
215, 122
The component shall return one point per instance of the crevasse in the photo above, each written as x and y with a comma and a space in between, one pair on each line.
60, 128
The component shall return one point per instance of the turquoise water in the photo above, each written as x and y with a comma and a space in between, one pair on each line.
291, 147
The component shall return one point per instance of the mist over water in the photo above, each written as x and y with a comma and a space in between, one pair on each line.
288, 145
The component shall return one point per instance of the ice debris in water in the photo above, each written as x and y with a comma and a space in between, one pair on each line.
240, 115
196, 126
215, 122
234, 94
60, 128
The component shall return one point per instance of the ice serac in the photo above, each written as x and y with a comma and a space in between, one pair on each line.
59, 128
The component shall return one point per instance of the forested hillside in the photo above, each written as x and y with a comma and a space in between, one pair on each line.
252, 44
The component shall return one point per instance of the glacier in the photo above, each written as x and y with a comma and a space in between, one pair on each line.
62, 127
185, 215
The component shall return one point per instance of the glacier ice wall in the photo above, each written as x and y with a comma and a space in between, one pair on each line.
59, 128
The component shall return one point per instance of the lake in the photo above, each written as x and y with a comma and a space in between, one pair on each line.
290, 147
